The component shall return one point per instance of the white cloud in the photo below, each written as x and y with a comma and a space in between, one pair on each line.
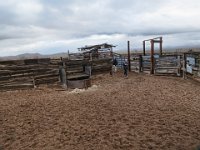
53, 26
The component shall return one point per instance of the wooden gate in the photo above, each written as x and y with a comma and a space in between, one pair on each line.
168, 65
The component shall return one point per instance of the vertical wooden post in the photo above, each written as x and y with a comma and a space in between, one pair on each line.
129, 57
121, 62
63, 63
111, 52
184, 65
161, 42
152, 57
140, 63
97, 53
68, 55
144, 48
179, 65
34, 83
90, 55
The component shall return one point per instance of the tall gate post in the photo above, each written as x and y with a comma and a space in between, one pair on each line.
140, 63
129, 57
184, 65
152, 57
144, 49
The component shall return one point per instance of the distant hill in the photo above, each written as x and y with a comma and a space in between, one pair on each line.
33, 56
65, 55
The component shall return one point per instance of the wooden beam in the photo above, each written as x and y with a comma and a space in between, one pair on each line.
161, 43
152, 57
144, 48
157, 41
129, 56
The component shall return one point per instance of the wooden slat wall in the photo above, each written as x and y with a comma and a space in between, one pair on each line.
168, 64
98, 66
24, 74
101, 66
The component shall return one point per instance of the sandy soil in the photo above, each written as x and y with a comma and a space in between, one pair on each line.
140, 112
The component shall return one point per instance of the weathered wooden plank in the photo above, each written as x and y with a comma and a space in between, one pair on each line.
30, 74
16, 87
11, 62
102, 62
77, 76
37, 61
101, 68
45, 76
26, 67
27, 81
73, 71
167, 67
33, 71
46, 80
75, 62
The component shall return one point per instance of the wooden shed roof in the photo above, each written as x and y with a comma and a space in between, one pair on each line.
99, 46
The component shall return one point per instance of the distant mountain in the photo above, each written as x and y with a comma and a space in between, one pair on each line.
33, 56
65, 55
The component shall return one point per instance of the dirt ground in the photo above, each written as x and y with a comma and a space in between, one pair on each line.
138, 113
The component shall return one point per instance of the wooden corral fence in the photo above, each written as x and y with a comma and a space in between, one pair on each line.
101, 66
163, 64
76, 67
145, 63
140, 63
168, 65
23, 74
135, 62
29, 73
192, 65
75, 56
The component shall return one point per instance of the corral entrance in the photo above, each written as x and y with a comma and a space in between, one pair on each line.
156, 63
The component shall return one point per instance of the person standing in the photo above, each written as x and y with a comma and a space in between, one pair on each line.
115, 63
125, 66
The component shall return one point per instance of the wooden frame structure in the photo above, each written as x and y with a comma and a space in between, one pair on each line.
152, 41
94, 51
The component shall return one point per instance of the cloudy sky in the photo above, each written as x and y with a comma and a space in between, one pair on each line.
51, 26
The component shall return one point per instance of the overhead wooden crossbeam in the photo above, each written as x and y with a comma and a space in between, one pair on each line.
155, 40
